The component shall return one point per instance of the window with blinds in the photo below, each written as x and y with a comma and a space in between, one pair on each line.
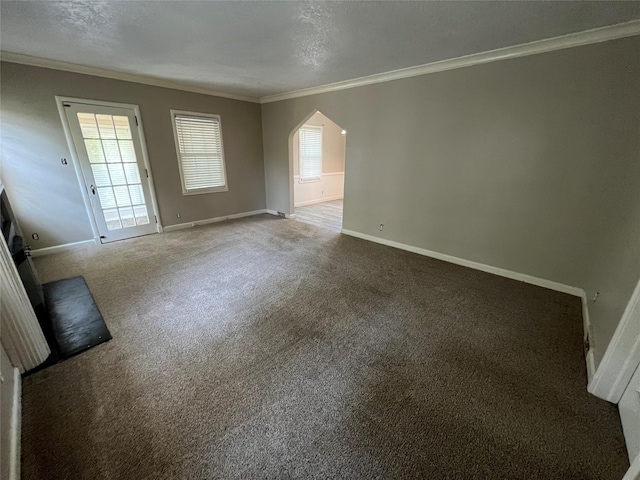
200, 152
310, 153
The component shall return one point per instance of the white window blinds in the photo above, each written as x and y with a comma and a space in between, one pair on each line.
200, 153
310, 153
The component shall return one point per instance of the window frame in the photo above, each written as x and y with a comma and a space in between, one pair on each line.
199, 191
313, 179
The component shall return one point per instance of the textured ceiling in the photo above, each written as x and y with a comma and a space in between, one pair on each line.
264, 48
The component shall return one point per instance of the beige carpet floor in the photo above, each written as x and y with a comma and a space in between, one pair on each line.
270, 348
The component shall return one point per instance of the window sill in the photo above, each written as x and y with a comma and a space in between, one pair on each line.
205, 190
309, 180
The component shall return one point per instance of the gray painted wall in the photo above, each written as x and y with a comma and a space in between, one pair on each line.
45, 194
530, 164
616, 265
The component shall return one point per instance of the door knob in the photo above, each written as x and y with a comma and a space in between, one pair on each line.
93, 189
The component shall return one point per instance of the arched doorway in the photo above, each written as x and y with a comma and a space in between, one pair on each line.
317, 149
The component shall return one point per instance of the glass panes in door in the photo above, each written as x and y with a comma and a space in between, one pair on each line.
113, 161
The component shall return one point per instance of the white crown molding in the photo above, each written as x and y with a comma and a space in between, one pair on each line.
597, 35
603, 34
115, 75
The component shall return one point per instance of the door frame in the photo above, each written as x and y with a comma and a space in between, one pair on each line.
76, 160
622, 356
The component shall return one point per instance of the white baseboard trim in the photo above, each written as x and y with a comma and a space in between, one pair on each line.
634, 470
15, 428
280, 214
206, 221
622, 355
62, 248
540, 282
318, 200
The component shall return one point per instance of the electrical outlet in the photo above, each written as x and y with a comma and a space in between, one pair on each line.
381, 226
35, 236
178, 215
595, 297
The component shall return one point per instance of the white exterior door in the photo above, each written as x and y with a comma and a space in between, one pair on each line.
109, 149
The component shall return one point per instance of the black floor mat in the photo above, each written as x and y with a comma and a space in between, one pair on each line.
76, 321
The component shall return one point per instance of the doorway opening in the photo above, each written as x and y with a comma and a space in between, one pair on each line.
109, 154
318, 150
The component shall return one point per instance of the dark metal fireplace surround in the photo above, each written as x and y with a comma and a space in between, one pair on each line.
65, 309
